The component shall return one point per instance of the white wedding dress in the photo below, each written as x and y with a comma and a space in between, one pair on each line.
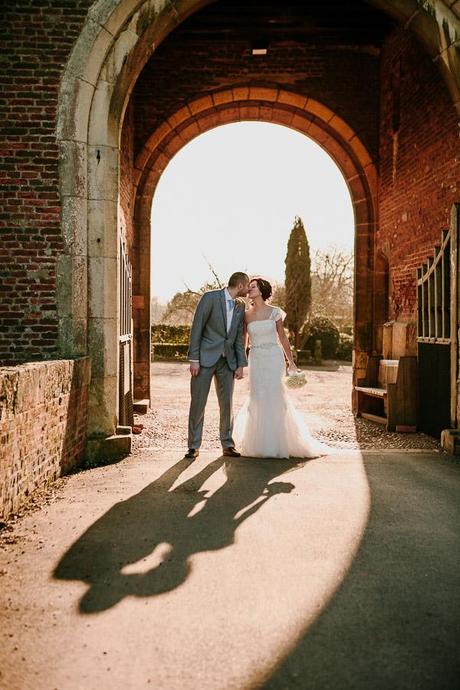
268, 425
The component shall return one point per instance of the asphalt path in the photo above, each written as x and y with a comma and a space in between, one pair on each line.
220, 574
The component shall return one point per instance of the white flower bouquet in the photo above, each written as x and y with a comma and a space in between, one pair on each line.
295, 379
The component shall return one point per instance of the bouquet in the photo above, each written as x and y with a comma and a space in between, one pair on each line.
295, 379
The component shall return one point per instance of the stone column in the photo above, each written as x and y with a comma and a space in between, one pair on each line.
72, 262
103, 265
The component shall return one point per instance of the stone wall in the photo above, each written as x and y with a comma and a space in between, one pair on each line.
419, 176
43, 420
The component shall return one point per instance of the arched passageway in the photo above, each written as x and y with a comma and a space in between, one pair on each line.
258, 104
120, 39
389, 70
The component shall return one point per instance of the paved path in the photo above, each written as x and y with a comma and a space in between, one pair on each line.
337, 573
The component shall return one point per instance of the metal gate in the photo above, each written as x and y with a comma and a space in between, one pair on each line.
125, 396
436, 335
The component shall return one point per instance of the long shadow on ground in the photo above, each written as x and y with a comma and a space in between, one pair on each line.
132, 529
395, 622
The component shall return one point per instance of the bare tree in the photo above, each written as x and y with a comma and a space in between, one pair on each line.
157, 310
332, 285
279, 295
181, 308
217, 279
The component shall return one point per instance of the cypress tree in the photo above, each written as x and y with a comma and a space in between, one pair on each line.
297, 280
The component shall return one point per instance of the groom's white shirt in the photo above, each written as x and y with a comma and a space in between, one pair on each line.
230, 311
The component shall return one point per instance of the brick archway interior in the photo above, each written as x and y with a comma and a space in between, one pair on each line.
277, 106
116, 42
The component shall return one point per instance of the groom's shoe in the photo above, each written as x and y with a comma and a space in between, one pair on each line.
231, 452
192, 453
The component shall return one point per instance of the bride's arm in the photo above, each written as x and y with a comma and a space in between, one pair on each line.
285, 343
245, 335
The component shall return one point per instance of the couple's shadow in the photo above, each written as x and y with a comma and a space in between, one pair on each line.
182, 521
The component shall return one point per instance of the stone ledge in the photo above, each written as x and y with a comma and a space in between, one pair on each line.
450, 441
141, 406
108, 449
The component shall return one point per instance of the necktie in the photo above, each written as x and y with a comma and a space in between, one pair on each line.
231, 303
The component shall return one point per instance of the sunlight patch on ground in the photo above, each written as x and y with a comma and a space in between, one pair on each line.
262, 569
158, 556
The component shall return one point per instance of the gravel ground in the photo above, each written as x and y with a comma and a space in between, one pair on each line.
324, 402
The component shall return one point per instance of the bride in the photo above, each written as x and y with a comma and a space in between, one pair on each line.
268, 425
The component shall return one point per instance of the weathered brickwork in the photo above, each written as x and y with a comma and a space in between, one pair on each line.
419, 165
126, 177
43, 419
182, 70
37, 36
415, 148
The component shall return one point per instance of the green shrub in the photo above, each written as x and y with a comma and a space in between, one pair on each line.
346, 328
345, 347
164, 333
303, 356
321, 328
176, 351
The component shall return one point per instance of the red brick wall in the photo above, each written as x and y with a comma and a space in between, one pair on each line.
37, 38
420, 182
182, 69
43, 420
126, 179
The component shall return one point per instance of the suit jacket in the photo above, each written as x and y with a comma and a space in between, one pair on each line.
208, 336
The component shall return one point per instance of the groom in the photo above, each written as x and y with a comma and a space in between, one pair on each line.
216, 350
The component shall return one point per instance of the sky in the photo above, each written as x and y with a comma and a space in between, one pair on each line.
229, 198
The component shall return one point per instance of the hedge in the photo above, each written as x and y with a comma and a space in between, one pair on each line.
345, 347
321, 328
177, 351
303, 356
164, 333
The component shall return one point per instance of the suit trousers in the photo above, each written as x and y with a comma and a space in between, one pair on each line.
199, 389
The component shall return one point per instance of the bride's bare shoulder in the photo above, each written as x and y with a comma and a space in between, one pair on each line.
248, 313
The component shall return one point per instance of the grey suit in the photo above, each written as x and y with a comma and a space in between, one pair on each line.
219, 354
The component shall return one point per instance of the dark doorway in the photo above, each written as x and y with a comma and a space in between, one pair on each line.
436, 334
434, 387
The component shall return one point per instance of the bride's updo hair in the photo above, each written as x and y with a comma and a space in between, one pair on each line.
264, 287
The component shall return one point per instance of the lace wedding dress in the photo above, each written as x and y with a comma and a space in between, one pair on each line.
268, 425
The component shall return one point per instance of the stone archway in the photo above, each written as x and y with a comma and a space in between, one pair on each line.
118, 38
278, 106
